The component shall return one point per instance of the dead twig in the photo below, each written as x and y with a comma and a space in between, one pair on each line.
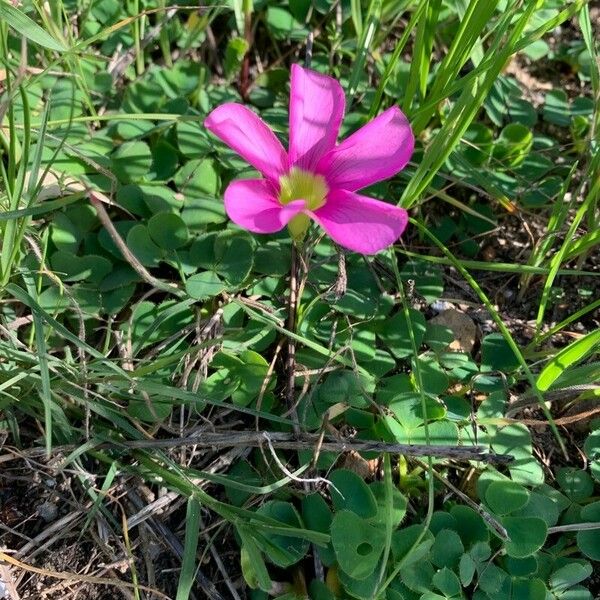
287, 441
74, 577
136, 265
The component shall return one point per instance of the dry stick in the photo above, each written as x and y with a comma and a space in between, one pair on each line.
76, 578
127, 254
341, 281
573, 527
286, 441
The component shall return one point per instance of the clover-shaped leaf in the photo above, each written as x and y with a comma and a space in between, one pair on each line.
504, 497
168, 231
357, 544
350, 492
588, 540
526, 535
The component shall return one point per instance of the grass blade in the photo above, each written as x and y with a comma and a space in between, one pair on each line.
23, 25
188, 565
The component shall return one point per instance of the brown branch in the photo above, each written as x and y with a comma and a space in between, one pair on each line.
136, 265
289, 441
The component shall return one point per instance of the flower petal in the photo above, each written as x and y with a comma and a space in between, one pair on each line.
360, 223
316, 112
251, 204
247, 134
375, 152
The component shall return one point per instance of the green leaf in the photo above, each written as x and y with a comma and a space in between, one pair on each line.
513, 144
418, 576
164, 160
318, 517
520, 567
398, 505
318, 590
528, 589
283, 25
341, 386
70, 267
142, 246
357, 544
427, 278
234, 256
168, 231
197, 179
556, 108
504, 497
435, 380
350, 492
569, 575
395, 333
527, 535
364, 588
447, 549
251, 374
300, 9
492, 579
568, 356
204, 285
411, 544
438, 337
289, 549
131, 161
447, 582
589, 540
470, 526
253, 566
64, 234
234, 55
466, 569
543, 505
241, 472
273, 258
219, 386
497, 355
192, 140
153, 410
575, 483
441, 433
23, 25
479, 144
537, 50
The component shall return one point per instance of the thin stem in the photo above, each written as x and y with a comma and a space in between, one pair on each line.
290, 367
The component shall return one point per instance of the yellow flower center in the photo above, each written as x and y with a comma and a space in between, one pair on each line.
302, 185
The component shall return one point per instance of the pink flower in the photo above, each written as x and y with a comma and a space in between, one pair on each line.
316, 179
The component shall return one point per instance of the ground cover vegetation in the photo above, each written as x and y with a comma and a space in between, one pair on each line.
189, 409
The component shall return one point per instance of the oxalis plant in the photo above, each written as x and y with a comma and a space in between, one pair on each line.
317, 179
190, 312
369, 554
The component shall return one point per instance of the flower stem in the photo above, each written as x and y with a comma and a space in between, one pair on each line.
290, 367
